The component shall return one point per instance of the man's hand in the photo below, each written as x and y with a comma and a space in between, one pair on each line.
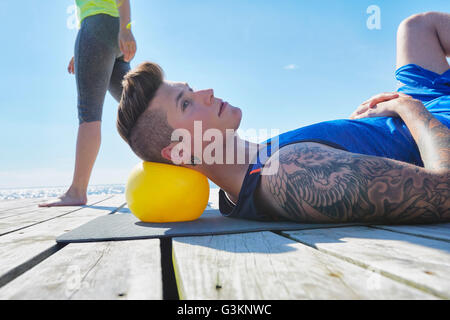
383, 105
127, 44
71, 67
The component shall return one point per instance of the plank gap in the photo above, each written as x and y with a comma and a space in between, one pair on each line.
24, 267
169, 283
118, 208
409, 233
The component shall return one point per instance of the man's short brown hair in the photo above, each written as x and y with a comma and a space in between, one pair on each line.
147, 133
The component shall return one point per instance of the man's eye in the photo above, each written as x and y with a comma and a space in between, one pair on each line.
185, 104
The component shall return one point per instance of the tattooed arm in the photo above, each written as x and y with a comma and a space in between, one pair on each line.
431, 136
319, 184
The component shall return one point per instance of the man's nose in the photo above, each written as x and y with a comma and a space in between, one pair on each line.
207, 96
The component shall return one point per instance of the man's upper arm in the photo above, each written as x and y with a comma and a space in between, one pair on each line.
319, 184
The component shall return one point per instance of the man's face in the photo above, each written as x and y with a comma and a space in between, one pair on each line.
183, 106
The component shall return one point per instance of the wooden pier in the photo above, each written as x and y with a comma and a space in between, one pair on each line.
354, 262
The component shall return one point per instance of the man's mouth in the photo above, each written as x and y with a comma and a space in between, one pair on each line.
223, 105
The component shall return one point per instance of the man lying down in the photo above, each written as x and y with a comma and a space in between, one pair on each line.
388, 163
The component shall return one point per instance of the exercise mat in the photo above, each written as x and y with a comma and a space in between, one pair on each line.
125, 226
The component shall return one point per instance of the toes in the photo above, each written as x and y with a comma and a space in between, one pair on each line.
51, 204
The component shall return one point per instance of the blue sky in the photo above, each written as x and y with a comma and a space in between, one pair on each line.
286, 64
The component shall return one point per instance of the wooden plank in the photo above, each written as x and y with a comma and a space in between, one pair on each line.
25, 220
433, 231
30, 216
101, 270
23, 205
6, 205
21, 246
32, 209
264, 265
18, 211
18, 205
416, 261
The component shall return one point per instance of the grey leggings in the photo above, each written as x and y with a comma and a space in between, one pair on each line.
99, 65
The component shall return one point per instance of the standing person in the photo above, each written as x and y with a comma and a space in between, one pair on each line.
103, 49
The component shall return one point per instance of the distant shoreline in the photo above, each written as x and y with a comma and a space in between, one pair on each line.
52, 192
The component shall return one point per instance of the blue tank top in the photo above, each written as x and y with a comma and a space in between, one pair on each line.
383, 137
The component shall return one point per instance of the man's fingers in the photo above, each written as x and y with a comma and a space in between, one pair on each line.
382, 97
365, 114
358, 116
361, 109
377, 96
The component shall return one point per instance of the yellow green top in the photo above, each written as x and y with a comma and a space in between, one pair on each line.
88, 8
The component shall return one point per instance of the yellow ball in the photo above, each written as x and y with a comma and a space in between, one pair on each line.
157, 192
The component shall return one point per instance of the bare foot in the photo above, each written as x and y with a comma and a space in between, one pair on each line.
70, 198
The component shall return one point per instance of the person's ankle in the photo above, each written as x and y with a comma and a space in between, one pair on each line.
77, 192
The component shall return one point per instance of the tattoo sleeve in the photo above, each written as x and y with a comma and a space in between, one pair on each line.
316, 183
431, 136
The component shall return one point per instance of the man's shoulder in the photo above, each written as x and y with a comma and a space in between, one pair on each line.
299, 149
305, 152
288, 171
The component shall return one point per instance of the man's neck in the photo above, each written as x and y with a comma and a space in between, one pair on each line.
230, 176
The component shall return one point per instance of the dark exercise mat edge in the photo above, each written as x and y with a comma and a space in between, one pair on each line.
87, 231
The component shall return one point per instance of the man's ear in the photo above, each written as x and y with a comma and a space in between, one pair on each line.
166, 152
176, 153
